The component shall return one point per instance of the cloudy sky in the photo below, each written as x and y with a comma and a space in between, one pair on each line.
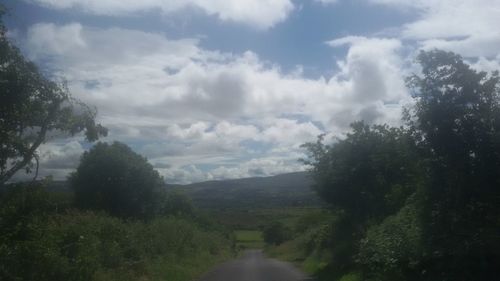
217, 89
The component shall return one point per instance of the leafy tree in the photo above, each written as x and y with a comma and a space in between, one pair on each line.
177, 204
456, 122
31, 107
393, 249
368, 174
420, 203
116, 179
275, 233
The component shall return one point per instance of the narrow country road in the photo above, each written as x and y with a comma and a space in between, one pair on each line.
254, 266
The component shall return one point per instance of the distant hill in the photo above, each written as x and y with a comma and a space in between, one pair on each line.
285, 190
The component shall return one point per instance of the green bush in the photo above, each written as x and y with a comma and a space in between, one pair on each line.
177, 204
119, 181
394, 246
276, 233
40, 242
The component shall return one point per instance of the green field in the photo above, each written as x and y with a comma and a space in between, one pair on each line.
249, 239
254, 219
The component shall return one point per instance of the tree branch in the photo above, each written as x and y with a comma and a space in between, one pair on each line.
28, 156
37, 166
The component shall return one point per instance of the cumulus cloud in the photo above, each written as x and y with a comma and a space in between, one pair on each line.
372, 78
266, 166
142, 79
57, 159
200, 114
468, 27
185, 106
261, 14
60, 155
257, 168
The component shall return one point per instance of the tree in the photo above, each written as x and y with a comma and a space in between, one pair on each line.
177, 203
368, 174
456, 122
117, 180
31, 107
275, 233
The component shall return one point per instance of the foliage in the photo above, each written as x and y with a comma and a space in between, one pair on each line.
177, 203
367, 174
275, 233
352, 276
309, 247
40, 241
248, 239
31, 108
456, 123
418, 202
116, 179
394, 246
312, 219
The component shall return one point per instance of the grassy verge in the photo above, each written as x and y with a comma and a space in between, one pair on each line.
249, 239
290, 251
308, 249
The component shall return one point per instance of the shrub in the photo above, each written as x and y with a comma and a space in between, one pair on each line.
352, 276
40, 242
394, 246
275, 233
115, 179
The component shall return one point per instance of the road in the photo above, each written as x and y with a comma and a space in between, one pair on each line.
254, 266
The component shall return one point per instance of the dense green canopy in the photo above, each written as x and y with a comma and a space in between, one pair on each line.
113, 178
420, 202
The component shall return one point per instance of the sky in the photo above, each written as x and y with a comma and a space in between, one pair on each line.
219, 89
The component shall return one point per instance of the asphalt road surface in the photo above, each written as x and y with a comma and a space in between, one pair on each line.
254, 266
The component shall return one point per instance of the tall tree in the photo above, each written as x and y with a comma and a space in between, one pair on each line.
456, 122
31, 107
368, 174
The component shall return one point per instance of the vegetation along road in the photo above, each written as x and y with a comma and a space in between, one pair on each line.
254, 266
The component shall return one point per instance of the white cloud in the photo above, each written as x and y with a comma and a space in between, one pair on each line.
57, 159
266, 166
261, 14
183, 105
43, 38
257, 168
185, 175
64, 155
483, 64
372, 78
468, 27
326, 2
485, 45
288, 132
200, 114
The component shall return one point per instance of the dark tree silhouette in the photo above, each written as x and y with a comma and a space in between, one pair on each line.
275, 233
421, 202
456, 122
368, 174
119, 181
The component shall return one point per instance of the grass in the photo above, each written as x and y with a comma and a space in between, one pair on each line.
290, 252
286, 251
249, 239
256, 218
